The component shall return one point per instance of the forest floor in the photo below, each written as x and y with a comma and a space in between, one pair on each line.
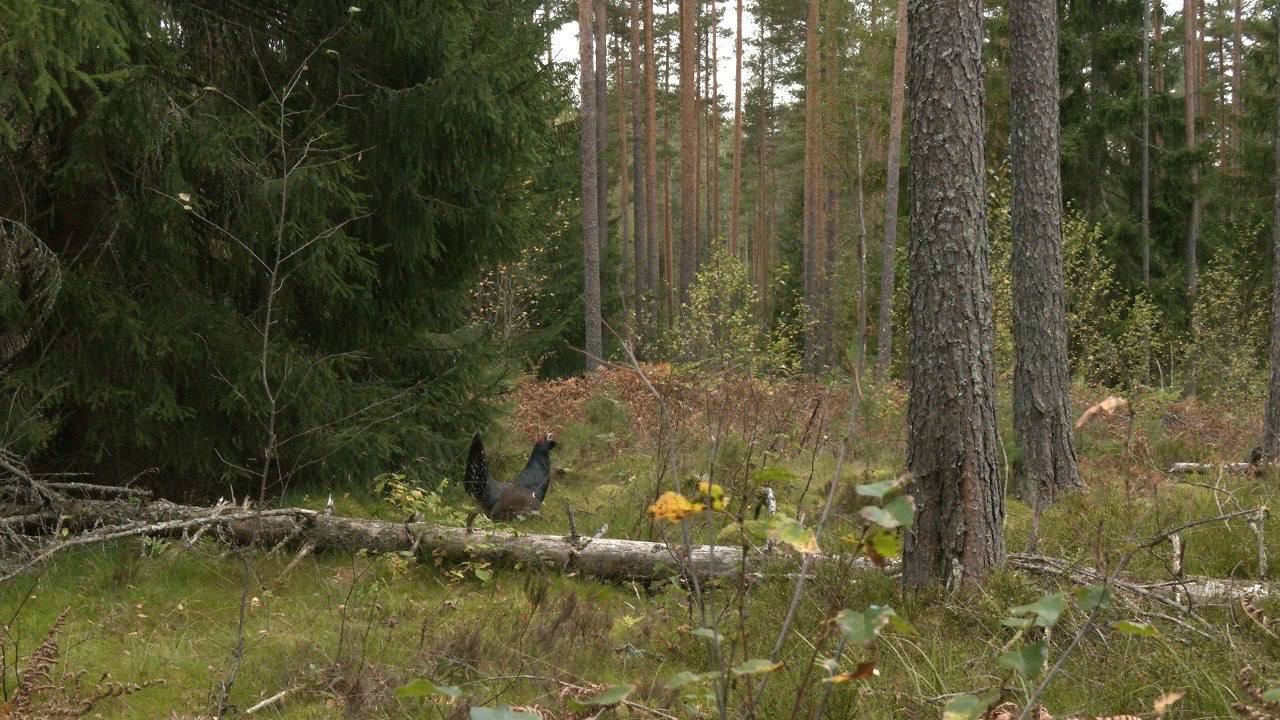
342, 632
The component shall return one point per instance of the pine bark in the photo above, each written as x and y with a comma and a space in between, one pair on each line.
651, 159
1041, 406
1271, 429
951, 445
624, 198
861, 342
590, 193
735, 203
1237, 102
888, 252
688, 143
713, 132
638, 139
1191, 75
601, 8
1146, 144
811, 189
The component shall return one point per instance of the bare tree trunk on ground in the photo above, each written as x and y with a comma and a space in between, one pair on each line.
951, 446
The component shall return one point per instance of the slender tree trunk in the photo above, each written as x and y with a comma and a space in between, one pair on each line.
830, 207
1146, 144
1271, 430
1191, 75
1157, 56
735, 209
951, 440
713, 152
861, 345
651, 159
638, 139
602, 120
688, 143
761, 239
624, 214
888, 253
1041, 406
590, 195
811, 196
1237, 102
700, 141
668, 260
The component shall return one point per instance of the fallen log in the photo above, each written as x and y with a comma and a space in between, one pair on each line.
603, 558
1185, 468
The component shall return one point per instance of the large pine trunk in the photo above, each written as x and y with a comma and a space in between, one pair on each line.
590, 196
1271, 432
688, 144
888, 253
1041, 407
951, 445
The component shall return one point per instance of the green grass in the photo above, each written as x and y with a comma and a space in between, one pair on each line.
347, 630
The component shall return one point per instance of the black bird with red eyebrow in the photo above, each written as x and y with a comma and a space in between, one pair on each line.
508, 501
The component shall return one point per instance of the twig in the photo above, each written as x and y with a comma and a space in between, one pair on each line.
224, 688
278, 697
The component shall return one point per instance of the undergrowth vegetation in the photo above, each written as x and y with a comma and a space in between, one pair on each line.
391, 636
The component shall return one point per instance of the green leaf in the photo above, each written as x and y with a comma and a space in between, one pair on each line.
502, 712
1046, 609
1272, 695
967, 707
885, 543
1134, 627
880, 489
422, 687
1017, 623
756, 666
1028, 661
898, 512
862, 628
483, 575
1093, 596
790, 532
707, 633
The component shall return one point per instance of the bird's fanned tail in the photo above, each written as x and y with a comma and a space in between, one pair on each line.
477, 479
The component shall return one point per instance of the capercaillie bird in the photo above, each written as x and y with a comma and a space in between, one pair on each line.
508, 501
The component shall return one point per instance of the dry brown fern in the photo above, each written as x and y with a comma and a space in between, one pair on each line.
40, 695
1264, 709
1259, 618
1010, 711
